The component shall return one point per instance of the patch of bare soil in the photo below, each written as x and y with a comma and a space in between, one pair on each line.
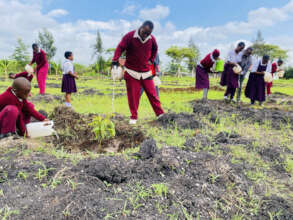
155, 184
189, 89
46, 98
217, 109
76, 134
182, 120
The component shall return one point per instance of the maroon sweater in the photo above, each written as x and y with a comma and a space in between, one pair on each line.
40, 59
25, 108
138, 54
207, 62
25, 75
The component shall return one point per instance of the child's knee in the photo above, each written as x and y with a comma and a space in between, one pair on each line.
11, 111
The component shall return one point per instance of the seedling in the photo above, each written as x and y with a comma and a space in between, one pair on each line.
160, 189
22, 175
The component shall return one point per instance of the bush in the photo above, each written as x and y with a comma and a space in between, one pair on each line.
289, 73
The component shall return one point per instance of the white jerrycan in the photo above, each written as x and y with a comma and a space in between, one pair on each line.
40, 129
117, 73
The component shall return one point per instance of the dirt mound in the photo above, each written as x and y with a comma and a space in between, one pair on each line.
92, 92
166, 183
46, 98
182, 120
219, 109
75, 133
188, 89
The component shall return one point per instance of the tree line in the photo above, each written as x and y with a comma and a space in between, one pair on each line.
182, 59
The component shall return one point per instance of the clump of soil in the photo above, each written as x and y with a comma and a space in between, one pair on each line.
46, 98
188, 89
163, 183
92, 92
75, 133
182, 120
219, 109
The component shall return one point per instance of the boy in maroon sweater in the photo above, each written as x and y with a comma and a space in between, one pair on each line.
15, 110
141, 50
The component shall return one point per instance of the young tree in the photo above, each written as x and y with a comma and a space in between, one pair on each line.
192, 55
46, 42
176, 55
98, 53
5, 65
20, 53
260, 48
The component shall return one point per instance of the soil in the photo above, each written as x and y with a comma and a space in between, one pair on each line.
76, 134
46, 98
217, 109
112, 187
181, 120
188, 89
92, 92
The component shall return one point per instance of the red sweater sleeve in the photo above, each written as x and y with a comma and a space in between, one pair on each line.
121, 47
154, 49
28, 108
274, 67
34, 58
43, 59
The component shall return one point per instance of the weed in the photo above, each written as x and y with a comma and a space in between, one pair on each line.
160, 189
6, 213
22, 175
72, 183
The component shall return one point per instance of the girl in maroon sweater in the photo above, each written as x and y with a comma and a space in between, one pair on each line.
40, 58
15, 110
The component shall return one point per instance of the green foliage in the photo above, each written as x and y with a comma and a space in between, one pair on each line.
56, 68
46, 42
100, 65
5, 66
289, 73
160, 189
20, 53
103, 128
260, 48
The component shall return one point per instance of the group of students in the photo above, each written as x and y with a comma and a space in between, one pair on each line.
256, 86
141, 68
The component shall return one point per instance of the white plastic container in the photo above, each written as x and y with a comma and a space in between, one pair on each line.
117, 73
29, 69
268, 77
237, 69
157, 81
281, 73
40, 129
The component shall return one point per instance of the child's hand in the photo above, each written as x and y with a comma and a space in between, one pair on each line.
12, 76
76, 76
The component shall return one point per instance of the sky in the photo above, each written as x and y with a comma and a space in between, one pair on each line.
211, 24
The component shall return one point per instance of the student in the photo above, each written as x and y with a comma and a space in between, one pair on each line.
246, 64
229, 78
40, 58
255, 89
141, 50
69, 76
202, 72
15, 110
275, 67
155, 72
25, 74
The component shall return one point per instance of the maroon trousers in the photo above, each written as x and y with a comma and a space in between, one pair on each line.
9, 118
133, 92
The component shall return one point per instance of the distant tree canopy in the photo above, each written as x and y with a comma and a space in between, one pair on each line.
260, 48
179, 54
21, 54
46, 42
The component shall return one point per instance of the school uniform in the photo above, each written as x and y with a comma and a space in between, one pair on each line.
270, 85
40, 59
202, 72
26, 75
137, 70
246, 62
255, 88
68, 81
15, 113
229, 78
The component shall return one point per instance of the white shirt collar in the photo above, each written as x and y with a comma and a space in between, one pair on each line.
136, 35
16, 95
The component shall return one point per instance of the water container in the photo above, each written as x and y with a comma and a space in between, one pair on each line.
40, 129
268, 77
281, 73
29, 69
220, 66
157, 81
117, 73
237, 69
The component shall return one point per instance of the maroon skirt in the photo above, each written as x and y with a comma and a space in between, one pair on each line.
255, 88
229, 78
68, 84
202, 78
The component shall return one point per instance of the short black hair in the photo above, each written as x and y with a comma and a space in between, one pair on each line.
67, 54
280, 60
148, 23
250, 48
241, 44
35, 45
266, 57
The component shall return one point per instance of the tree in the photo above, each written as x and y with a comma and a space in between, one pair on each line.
98, 53
46, 42
20, 53
192, 55
5, 65
260, 48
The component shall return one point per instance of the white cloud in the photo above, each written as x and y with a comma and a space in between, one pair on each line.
157, 13
129, 10
80, 35
57, 13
